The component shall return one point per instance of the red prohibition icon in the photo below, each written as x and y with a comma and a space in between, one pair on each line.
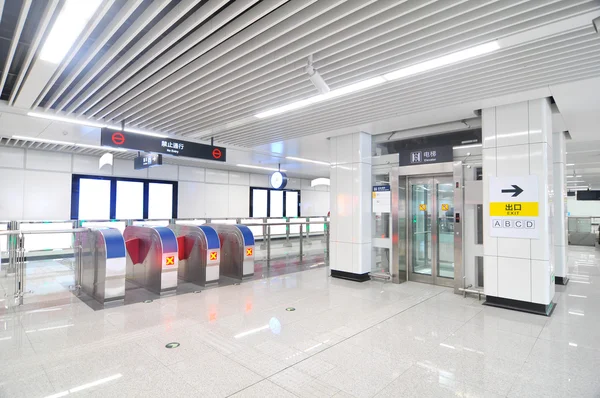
118, 138
217, 153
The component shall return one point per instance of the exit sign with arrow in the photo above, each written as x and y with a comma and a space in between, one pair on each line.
514, 207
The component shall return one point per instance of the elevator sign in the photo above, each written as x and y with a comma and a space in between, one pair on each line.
514, 207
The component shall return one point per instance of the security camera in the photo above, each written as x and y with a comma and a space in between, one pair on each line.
596, 23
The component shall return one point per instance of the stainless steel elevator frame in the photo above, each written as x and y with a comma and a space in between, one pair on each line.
399, 177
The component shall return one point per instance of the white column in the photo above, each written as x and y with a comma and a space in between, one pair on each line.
517, 141
560, 207
350, 190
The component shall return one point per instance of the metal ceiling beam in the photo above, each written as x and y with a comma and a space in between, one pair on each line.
115, 24
421, 103
33, 47
220, 45
15, 41
227, 83
435, 28
128, 81
371, 71
140, 23
171, 19
94, 21
278, 45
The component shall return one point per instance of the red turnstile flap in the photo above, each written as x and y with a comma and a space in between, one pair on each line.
181, 247
133, 249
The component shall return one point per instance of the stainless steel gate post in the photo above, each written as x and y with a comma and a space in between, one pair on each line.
269, 247
327, 242
263, 243
301, 255
287, 233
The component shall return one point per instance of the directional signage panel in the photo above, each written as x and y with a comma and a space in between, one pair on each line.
168, 146
514, 207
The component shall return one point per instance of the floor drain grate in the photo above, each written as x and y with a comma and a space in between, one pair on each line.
148, 301
172, 345
290, 309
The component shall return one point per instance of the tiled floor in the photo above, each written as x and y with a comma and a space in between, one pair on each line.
344, 339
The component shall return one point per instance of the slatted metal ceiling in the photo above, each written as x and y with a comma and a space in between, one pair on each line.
202, 69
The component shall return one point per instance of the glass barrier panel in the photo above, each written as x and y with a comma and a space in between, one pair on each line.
317, 229
3, 238
46, 242
295, 229
256, 231
231, 222
190, 222
153, 223
277, 231
120, 225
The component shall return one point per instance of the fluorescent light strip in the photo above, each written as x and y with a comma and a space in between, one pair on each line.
573, 176
258, 167
90, 123
570, 164
398, 74
73, 17
83, 122
308, 160
104, 148
42, 140
467, 146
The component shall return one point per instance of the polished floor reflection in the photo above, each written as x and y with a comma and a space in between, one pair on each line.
308, 335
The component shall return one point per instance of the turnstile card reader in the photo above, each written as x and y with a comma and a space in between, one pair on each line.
237, 250
199, 253
152, 258
103, 264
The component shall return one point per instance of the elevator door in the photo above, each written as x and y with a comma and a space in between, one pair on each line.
431, 230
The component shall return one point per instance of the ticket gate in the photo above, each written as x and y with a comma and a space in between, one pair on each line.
152, 258
102, 260
199, 253
237, 250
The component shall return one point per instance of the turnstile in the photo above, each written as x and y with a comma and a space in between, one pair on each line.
237, 250
199, 253
102, 260
152, 258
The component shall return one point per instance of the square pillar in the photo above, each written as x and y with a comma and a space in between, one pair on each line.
350, 201
517, 144
560, 207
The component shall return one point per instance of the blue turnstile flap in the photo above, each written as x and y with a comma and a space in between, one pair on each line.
212, 237
247, 234
169, 240
115, 244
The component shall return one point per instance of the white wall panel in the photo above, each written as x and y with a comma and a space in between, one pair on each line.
48, 161
192, 201
259, 180
89, 165
236, 178
217, 200
314, 203
12, 157
47, 196
124, 168
11, 200
217, 176
164, 172
239, 201
191, 174
294, 183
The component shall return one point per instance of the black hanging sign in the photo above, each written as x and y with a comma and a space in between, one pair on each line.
411, 157
168, 146
146, 161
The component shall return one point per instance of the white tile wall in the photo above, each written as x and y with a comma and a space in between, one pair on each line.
540, 281
164, 172
512, 125
192, 201
490, 275
12, 157
48, 161
191, 174
89, 165
259, 180
239, 201
237, 178
124, 168
217, 176
217, 200
11, 200
514, 278
47, 196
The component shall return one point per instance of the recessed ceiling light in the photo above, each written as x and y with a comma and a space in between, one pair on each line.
259, 167
83, 122
43, 140
73, 17
308, 160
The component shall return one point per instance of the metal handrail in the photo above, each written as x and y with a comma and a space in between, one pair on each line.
49, 231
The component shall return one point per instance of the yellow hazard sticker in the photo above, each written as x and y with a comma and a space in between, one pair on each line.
423, 207
514, 209
445, 207
374, 195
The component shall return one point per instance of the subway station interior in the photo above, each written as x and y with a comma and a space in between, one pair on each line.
299, 198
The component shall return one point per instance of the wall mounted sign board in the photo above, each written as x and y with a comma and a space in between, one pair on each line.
168, 146
147, 161
382, 199
412, 157
514, 207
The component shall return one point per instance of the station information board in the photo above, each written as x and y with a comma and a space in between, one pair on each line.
382, 199
168, 146
514, 207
